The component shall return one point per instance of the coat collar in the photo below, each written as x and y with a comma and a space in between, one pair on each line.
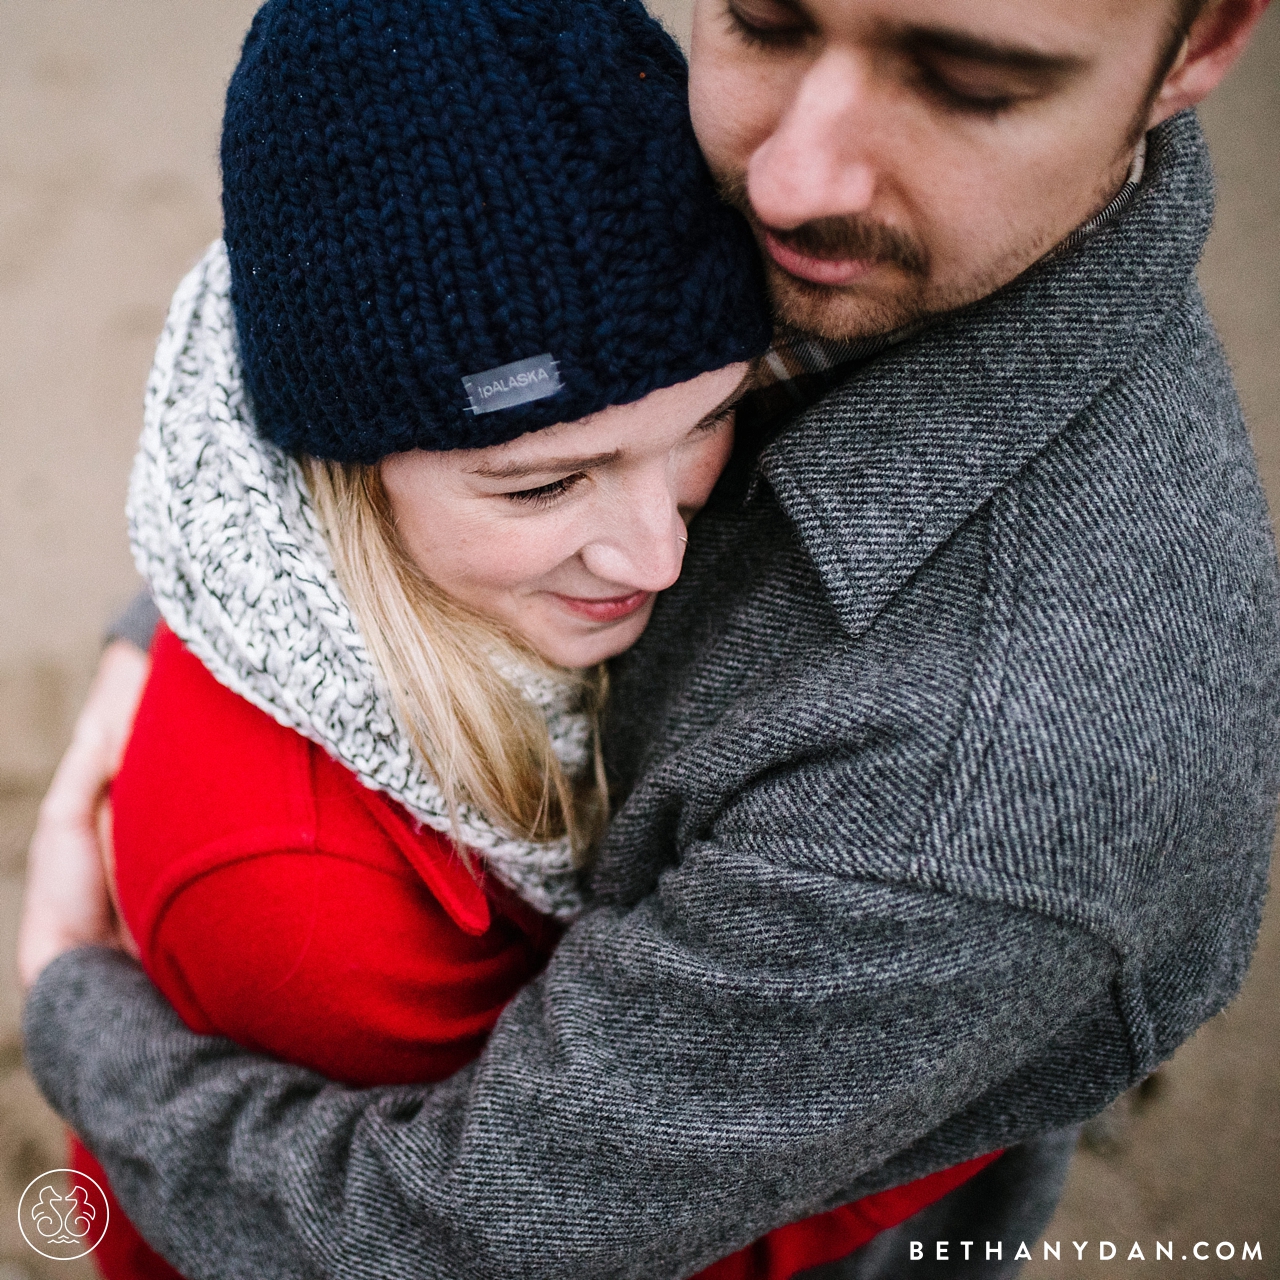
878, 474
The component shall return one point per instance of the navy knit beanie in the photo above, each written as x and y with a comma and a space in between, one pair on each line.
451, 222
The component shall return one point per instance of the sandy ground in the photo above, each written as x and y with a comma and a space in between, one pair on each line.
109, 117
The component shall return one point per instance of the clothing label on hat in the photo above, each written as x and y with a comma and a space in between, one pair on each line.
511, 384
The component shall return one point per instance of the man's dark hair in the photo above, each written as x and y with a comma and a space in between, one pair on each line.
1187, 12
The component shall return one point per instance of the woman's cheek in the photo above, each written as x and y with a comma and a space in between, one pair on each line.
517, 552
704, 469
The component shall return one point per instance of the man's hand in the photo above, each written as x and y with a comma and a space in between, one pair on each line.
69, 902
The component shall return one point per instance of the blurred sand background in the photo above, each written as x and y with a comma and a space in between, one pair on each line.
109, 117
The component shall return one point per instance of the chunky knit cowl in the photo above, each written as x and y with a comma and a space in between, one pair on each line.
223, 530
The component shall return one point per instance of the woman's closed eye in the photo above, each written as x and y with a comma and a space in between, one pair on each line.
545, 494
724, 416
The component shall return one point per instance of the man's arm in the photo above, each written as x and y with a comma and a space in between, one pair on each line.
136, 622
67, 902
727, 1056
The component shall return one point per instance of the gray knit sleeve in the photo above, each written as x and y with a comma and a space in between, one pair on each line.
685, 1076
136, 622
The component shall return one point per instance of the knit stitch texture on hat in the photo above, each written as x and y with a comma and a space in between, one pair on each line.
417, 192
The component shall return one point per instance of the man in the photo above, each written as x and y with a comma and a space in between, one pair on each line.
948, 767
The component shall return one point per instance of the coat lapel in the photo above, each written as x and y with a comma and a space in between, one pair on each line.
878, 474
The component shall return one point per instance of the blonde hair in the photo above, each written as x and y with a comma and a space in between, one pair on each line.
485, 744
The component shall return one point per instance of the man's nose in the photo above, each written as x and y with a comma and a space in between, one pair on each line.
639, 543
816, 163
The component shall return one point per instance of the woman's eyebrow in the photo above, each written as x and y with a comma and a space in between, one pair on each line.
729, 402
516, 469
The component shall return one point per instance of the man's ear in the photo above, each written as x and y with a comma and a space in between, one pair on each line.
1215, 40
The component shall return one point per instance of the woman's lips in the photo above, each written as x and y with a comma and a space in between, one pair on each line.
611, 609
817, 270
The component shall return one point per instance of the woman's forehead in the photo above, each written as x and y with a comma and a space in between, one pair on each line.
655, 421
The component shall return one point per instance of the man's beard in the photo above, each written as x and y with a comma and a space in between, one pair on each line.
834, 312
906, 292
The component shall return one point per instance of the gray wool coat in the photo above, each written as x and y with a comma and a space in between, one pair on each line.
948, 767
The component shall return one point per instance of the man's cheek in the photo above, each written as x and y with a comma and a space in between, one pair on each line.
708, 124
734, 106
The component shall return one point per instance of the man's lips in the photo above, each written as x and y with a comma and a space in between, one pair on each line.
611, 609
830, 271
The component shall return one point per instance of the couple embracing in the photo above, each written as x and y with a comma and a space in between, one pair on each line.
700, 723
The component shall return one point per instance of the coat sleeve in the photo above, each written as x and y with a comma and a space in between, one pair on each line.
136, 622
728, 1055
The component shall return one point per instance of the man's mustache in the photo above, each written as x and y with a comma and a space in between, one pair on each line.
838, 239
843, 239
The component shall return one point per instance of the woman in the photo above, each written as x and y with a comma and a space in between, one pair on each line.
423, 438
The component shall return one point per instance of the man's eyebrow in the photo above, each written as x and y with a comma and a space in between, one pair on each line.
516, 469
1014, 57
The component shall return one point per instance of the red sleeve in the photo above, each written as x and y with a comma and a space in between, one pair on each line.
335, 965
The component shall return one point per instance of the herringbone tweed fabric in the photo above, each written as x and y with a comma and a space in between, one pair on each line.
947, 776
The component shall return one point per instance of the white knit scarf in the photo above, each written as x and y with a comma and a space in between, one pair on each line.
223, 530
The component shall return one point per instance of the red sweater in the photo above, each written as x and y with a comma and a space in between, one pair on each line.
280, 903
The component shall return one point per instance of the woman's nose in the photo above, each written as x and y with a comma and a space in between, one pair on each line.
640, 540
